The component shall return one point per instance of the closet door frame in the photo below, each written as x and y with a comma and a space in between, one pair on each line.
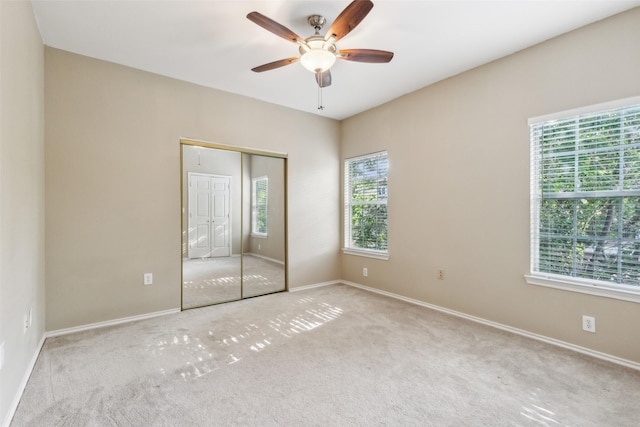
241, 150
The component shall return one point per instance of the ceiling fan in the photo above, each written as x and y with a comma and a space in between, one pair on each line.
318, 53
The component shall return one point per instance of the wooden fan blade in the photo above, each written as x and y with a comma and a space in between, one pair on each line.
271, 25
349, 18
323, 78
365, 55
275, 64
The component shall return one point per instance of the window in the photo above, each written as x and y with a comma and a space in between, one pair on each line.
259, 201
365, 204
585, 193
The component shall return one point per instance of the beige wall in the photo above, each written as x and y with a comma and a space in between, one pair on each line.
459, 184
113, 184
21, 196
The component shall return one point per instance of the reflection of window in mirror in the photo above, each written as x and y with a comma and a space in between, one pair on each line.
259, 201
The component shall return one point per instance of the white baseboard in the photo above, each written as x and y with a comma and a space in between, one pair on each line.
315, 285
265, 258
110, 323
522, 332
23, 384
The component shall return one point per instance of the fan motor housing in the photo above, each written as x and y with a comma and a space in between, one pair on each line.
317, 22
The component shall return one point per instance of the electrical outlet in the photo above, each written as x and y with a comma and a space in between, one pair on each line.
148, 278
440, 274
365, 272
589, 323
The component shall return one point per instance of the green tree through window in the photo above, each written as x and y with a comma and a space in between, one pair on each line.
366, 202
260, 198
586, 184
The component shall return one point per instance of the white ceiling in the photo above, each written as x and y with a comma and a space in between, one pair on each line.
212, 43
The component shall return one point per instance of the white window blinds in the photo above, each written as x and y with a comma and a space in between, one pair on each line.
585, 176
260, 198
366, 202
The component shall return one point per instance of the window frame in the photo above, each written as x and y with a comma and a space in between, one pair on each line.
254, 207
557, 281
348, 248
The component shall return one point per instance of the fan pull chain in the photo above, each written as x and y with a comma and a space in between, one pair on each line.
320, 106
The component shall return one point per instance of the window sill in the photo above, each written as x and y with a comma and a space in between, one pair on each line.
259, 236
368, 254
624, 293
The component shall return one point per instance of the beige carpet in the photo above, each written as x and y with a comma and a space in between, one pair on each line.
215, 280
334, 356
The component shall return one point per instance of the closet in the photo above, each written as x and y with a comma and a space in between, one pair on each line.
233, 223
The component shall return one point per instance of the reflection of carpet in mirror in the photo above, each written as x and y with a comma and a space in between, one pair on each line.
214, 280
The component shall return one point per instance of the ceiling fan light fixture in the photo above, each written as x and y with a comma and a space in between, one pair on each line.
317, 54
316, 60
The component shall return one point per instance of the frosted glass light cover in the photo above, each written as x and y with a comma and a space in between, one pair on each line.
317, 60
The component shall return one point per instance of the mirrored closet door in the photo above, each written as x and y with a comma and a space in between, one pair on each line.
233, 224
263, 250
